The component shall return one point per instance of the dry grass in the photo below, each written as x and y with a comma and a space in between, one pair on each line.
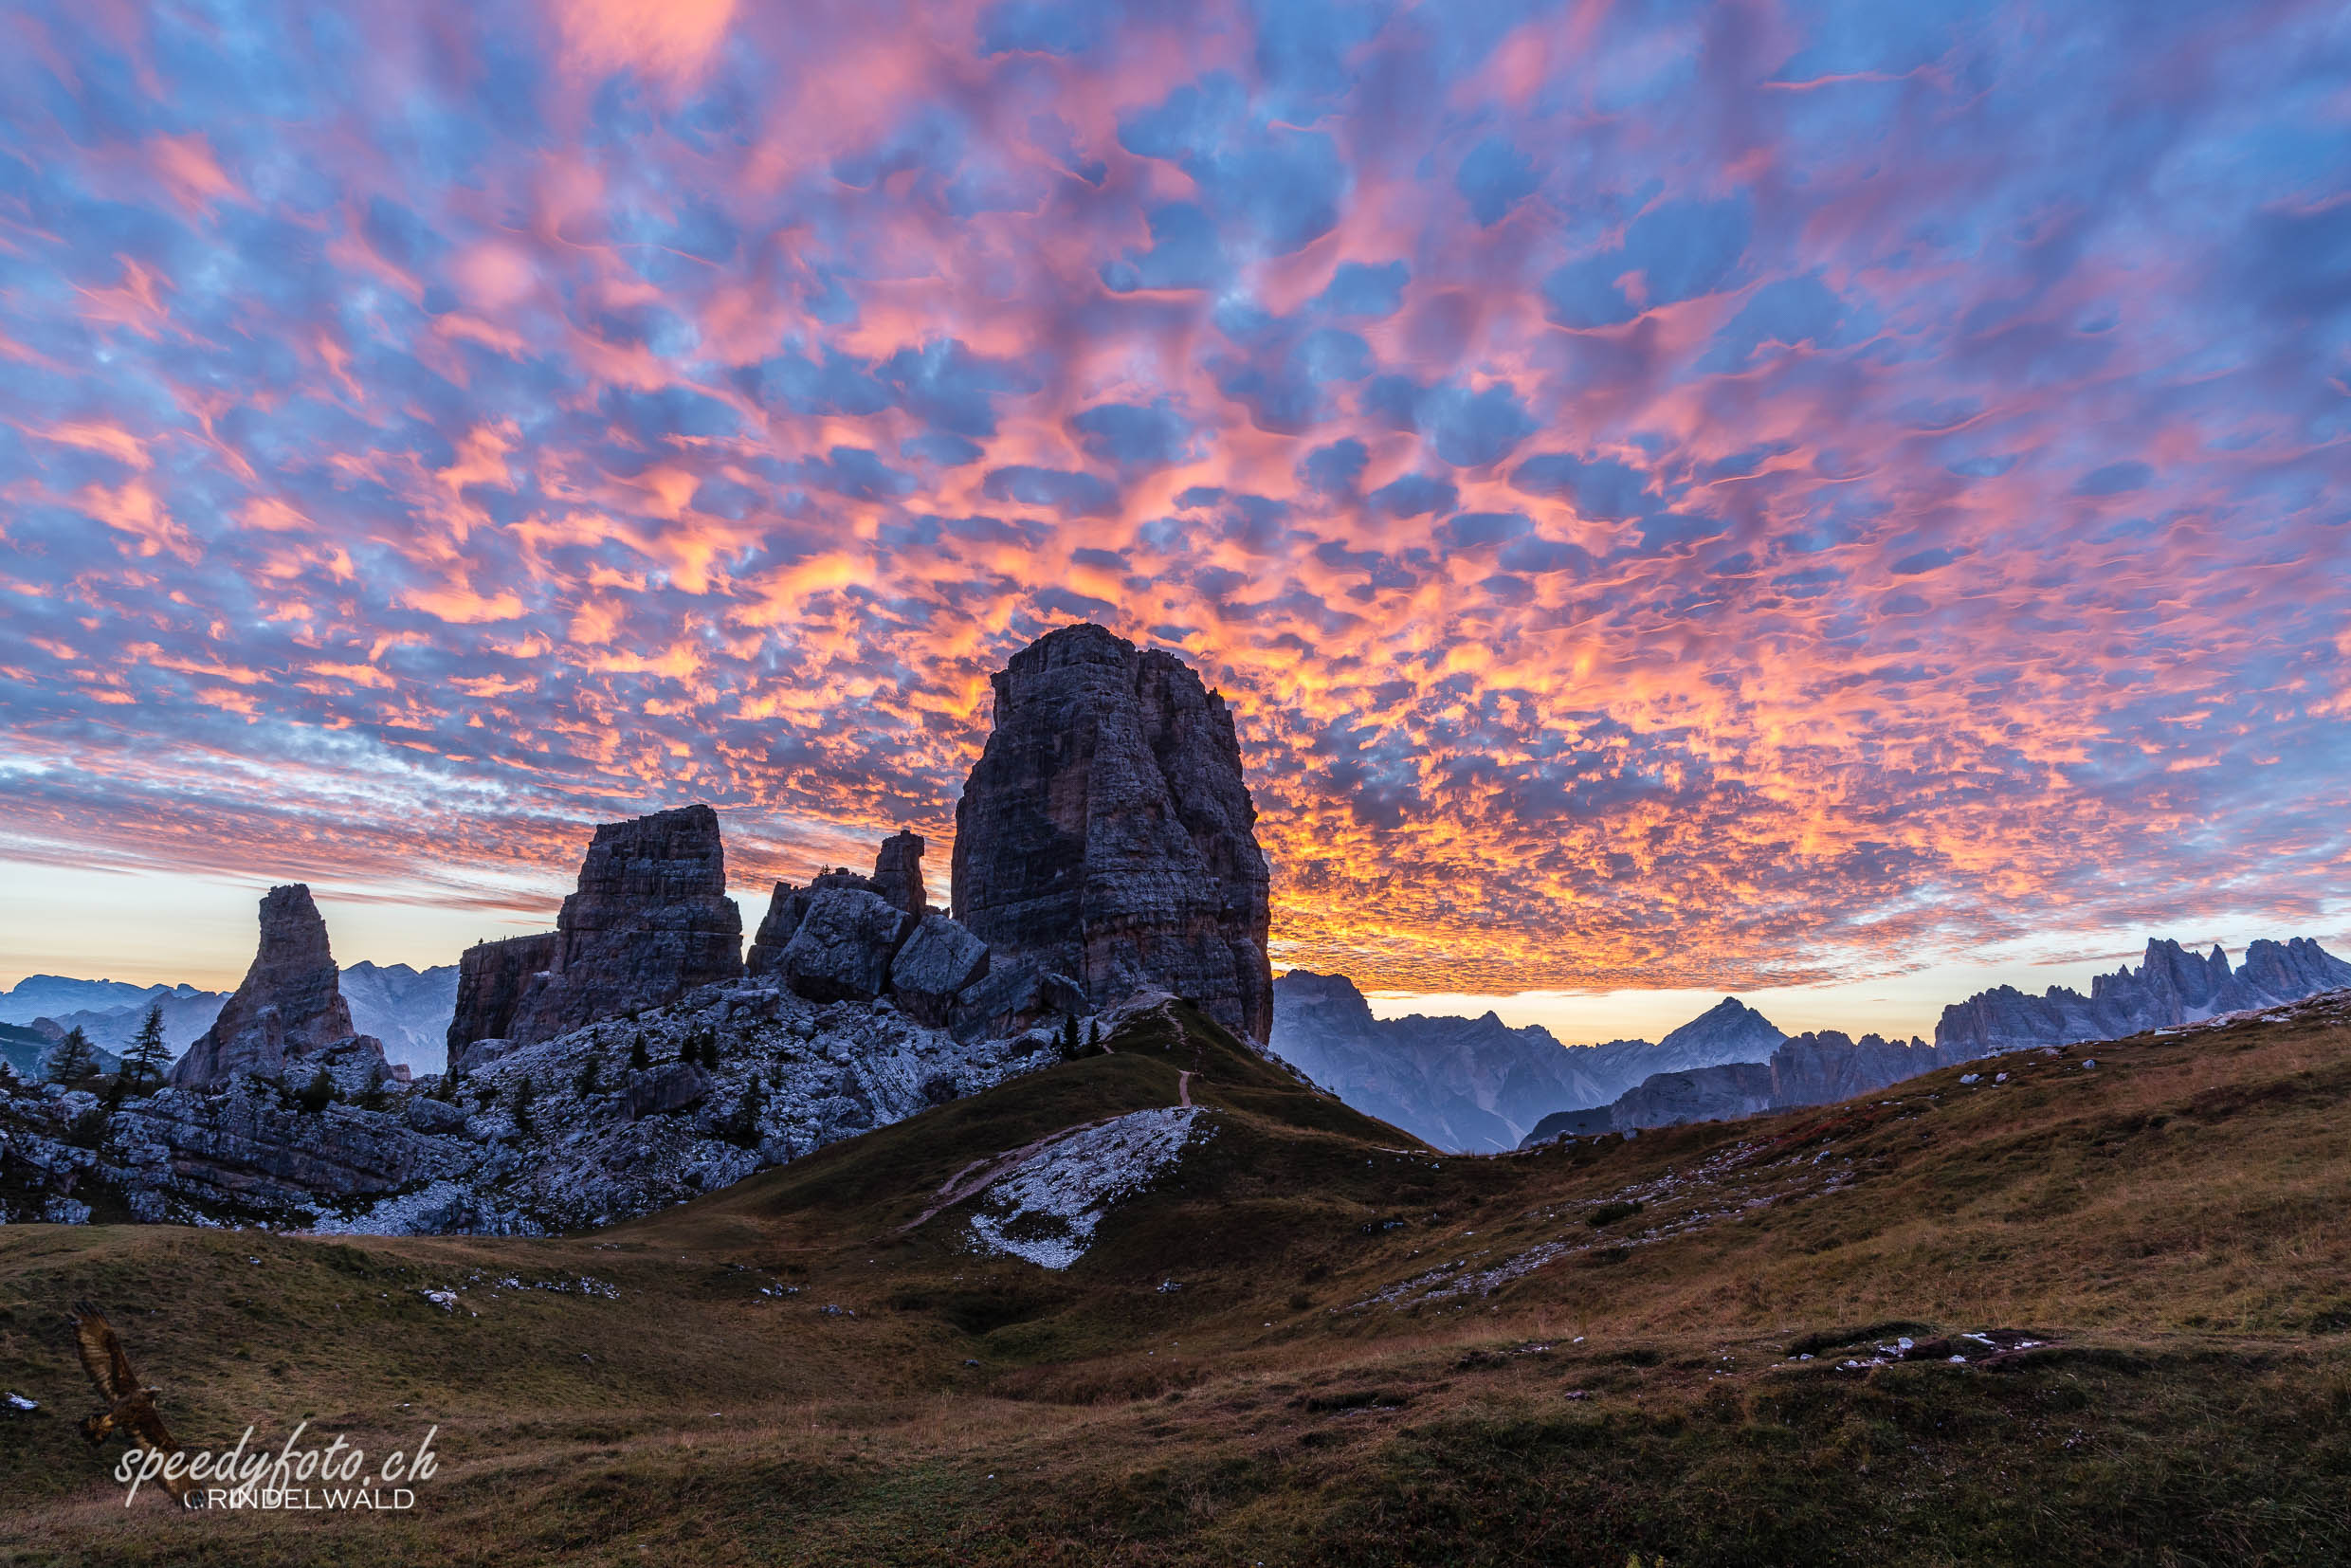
2174, 1218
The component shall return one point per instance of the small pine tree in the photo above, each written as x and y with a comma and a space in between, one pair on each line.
1069, 1046
522, 1105
74, 1059
747, 1114
710, 1048
1093, 1035
586, 1083
148, 1054
319, 1095
638, 1058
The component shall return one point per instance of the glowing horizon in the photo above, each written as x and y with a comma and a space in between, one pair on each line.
1725, 499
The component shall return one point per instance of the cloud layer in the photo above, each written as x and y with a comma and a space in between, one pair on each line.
1677, 494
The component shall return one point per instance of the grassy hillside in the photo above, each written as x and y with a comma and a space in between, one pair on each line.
1317, 1341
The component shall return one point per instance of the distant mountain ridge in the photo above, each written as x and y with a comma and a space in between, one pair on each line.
2173, 985
1477, 1085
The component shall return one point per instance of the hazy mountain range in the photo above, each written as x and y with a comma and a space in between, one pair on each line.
409, 1010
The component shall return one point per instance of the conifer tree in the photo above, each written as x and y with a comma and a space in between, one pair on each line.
74, 1059
148, 1054
638, 1060
522, 1105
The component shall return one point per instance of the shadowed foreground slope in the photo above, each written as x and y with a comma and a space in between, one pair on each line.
1309, 1340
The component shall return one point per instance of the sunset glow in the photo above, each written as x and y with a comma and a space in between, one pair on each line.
1709, 497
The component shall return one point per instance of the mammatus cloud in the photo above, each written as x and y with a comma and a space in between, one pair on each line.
1676, 496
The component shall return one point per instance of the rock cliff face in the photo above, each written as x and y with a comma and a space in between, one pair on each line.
1106, 832
1476, 1084
650, 921
490, 978
289, 1008
2172, 986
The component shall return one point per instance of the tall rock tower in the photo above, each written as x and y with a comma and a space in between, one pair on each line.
1106, 832
650, 921
289, 1011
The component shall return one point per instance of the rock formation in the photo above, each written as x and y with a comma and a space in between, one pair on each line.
1106, 832
490, 978
938, 961
842, 949
2172, 986
897, 872
289, 1008
650, 921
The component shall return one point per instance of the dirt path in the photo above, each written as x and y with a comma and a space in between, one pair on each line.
1183, 1089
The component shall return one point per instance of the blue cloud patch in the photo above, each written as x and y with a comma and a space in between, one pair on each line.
1601, 488
1494, 178
1133, 436
1364, 290
1681, 249
1073, 495
1414, 495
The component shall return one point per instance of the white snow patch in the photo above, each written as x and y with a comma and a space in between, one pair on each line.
17, 1401
1046, 1209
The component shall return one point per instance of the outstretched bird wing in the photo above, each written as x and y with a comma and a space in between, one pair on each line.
102, 1355
151, 1435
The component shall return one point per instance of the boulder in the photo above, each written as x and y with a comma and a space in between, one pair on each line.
1106, 832
897, 873
289, 1008
787, 908
659, 1091
843, 949
939, 960
426, 1115
1012, 997
650, 921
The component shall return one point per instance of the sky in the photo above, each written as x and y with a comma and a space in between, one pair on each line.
1813, 499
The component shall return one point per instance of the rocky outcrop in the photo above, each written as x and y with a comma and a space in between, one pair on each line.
1011, 998
897, 873
1106, 832
2172, 986
490, 980
1476, 1084
289, 1008
843, 948
938, 961
650, 921
788, 908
